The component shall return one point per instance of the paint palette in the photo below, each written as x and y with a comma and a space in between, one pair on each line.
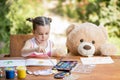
65, 65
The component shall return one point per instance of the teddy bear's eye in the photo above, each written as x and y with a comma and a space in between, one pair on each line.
81, 40
93, 42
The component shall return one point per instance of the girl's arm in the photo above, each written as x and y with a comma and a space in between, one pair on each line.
27, 50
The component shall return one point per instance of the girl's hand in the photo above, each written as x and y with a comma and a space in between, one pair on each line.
40, 49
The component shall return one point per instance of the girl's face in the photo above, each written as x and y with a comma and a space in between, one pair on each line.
42, 33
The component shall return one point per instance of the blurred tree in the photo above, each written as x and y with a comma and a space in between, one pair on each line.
4, 26
109, 15
104, 12
20, 10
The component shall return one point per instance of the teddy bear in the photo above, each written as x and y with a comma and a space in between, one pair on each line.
88, 39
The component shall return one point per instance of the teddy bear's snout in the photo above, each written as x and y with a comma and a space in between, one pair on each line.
87, 47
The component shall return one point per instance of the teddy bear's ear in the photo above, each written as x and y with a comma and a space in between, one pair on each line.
70, 28
104, 30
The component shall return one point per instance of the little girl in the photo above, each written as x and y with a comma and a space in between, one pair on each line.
39, 45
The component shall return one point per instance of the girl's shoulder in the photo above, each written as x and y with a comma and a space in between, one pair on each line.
30, 40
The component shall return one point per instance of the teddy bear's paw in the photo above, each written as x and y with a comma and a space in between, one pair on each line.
59, 53
108, 49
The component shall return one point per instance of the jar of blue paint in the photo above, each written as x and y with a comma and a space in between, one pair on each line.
10, 72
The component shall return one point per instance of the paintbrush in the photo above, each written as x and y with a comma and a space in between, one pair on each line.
49, 58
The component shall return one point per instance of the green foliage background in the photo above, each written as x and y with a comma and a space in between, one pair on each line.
13, 14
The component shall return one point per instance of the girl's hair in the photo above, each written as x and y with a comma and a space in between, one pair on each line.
40, 21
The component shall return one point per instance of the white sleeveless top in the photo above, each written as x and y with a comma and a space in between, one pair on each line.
47, 49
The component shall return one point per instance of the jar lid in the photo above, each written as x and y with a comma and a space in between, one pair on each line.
21, 68
9, 68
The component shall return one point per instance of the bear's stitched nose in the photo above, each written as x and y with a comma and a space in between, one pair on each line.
87, 47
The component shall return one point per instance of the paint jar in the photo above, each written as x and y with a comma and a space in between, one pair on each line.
21, 72
10, 72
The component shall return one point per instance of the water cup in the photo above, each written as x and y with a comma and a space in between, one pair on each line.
21, 72
10, 72
1, 73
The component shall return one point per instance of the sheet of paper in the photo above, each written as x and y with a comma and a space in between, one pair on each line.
97, 60
7, 63
41, 62
81, 68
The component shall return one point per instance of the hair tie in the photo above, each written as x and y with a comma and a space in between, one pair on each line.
30, 19
49, 19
